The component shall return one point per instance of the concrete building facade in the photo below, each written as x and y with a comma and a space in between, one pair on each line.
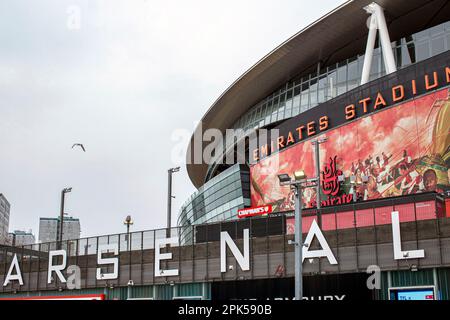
21, 238
4, 219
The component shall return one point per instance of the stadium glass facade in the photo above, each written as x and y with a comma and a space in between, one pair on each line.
217, 200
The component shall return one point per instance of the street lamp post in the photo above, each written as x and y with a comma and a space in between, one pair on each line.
169, 199
61, 217
316, 143
297, 184
128, 222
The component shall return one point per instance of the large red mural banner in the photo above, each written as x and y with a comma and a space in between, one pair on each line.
398, 151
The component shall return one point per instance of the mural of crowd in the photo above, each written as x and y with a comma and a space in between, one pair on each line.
399, 151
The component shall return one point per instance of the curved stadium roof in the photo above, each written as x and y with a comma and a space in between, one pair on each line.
334, 37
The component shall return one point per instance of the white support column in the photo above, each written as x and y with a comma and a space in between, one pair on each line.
205, 290
377, 22
436, 284
368, 57
386, 46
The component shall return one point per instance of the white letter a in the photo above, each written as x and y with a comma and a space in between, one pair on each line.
324, 252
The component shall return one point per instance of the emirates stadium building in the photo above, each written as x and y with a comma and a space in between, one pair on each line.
359, 103
313, 81
380, 99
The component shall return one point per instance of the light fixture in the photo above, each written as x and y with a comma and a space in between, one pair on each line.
413, 268
284, 178
128, 220
365, 178
341, 178
352, 179
299, 175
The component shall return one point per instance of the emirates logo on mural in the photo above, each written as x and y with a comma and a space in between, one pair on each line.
330, 178
331, 186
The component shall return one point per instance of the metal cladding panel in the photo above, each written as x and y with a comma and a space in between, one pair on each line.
326, 266
348, 259
186, 271
242, 273
260, 266
386, 256
445, 247
290, 259
214, 249
230, 274
214, 267
259, 245
42, 279
124, 272
148, 272
32, 281
275, 262
136, 273
91, 278
200, 272
367, 256
366, 236
432, 252
311, 267
428, 230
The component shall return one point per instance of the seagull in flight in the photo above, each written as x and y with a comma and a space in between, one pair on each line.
79, 145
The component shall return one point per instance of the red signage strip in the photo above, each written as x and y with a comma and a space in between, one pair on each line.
256, 211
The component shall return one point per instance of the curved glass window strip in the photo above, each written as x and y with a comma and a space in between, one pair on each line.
217, 200
306, 92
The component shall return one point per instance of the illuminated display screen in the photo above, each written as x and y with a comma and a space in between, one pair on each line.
412, 294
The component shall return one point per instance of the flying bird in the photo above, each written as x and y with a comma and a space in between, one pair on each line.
79, 145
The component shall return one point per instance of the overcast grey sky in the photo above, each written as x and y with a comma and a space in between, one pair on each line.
131, 74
